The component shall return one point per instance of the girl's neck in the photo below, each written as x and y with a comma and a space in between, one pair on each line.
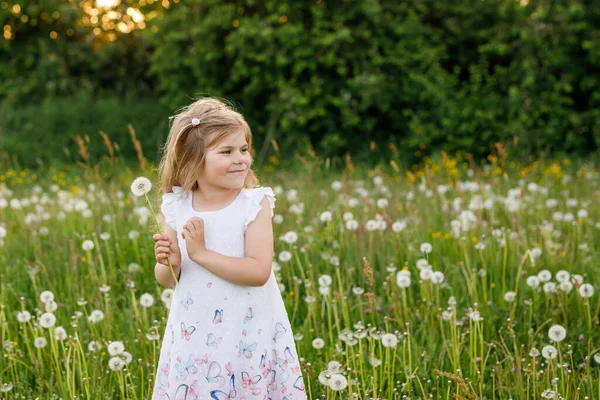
214, 197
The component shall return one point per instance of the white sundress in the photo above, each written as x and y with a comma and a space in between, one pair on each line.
223, 340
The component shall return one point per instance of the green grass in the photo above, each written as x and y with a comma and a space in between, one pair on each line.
460, 338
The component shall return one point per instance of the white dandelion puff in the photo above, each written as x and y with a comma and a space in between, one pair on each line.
549, 352
40, 342
318, 343
557, 333
87, 245
338, 382
146, 300
46, 296
389, 340
586, 290
140, 186
115, 348
47, 320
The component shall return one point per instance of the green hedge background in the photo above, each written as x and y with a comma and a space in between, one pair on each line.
422, 75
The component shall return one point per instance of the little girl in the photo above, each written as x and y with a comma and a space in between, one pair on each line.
228, 335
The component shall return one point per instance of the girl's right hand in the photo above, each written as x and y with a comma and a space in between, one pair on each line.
165, 249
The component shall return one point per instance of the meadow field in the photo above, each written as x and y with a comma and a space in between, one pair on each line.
458, 279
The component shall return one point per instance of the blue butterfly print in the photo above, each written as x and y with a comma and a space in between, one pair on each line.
249, 315
280, 330
299, 384
218, 318
220, 395
246, 349
288, 359
188, 301
214, 374
188, 368
212, 341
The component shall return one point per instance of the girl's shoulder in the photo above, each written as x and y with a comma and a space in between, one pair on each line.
253, 197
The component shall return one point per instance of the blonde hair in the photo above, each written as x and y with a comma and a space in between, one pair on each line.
184, 151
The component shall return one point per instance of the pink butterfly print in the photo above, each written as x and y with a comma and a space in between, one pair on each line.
272, 385
246, 349
248, 382
188, 301
249, 315
259, 331
244, 332
229, 369
213, 374
204, 359
212, 341
187, 333
192, 391
218, 318
189, 368
209, 284
299, 384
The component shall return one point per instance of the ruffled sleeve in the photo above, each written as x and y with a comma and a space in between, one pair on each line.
169, 206
255, 196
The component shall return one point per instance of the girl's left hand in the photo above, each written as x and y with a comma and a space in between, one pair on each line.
193, 234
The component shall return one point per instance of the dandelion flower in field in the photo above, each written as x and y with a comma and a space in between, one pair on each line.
402, 280
586, 290
336, 185
325, 280
549, 394
557, 333
422, 263
345, 335
116, 363
126, 357
549, 287
437, 277
565, 286
104, 288
167, 295
338, 382
47, 320
452, 302
60, 333
152, 336
399, 226
324, 290
105, 236
352, 225
377, 180
334, 260
140, 186
597, 357
115, 348
549, 352
40, 342
475, 316
534, 352
426, 274
426, 248
146, 300
576, 278
382, 203
326, 216
133, 268
324, 377
447, 315
334, 367
24, 316
87, 245
536, 252
46, 296
371, 225
318, 343
285, 256
389, 340
374, 361
94, 346
544, 275
133, 235
510, 296
2, 232
347, 216
51, 306
6, 387
81, 302
358, 290
533, 281
96, 316
582, 213
563, 276
290, 237
480, 246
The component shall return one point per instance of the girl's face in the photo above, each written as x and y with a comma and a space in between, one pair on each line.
226, 164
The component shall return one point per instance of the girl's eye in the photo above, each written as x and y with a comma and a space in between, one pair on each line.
228, 151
